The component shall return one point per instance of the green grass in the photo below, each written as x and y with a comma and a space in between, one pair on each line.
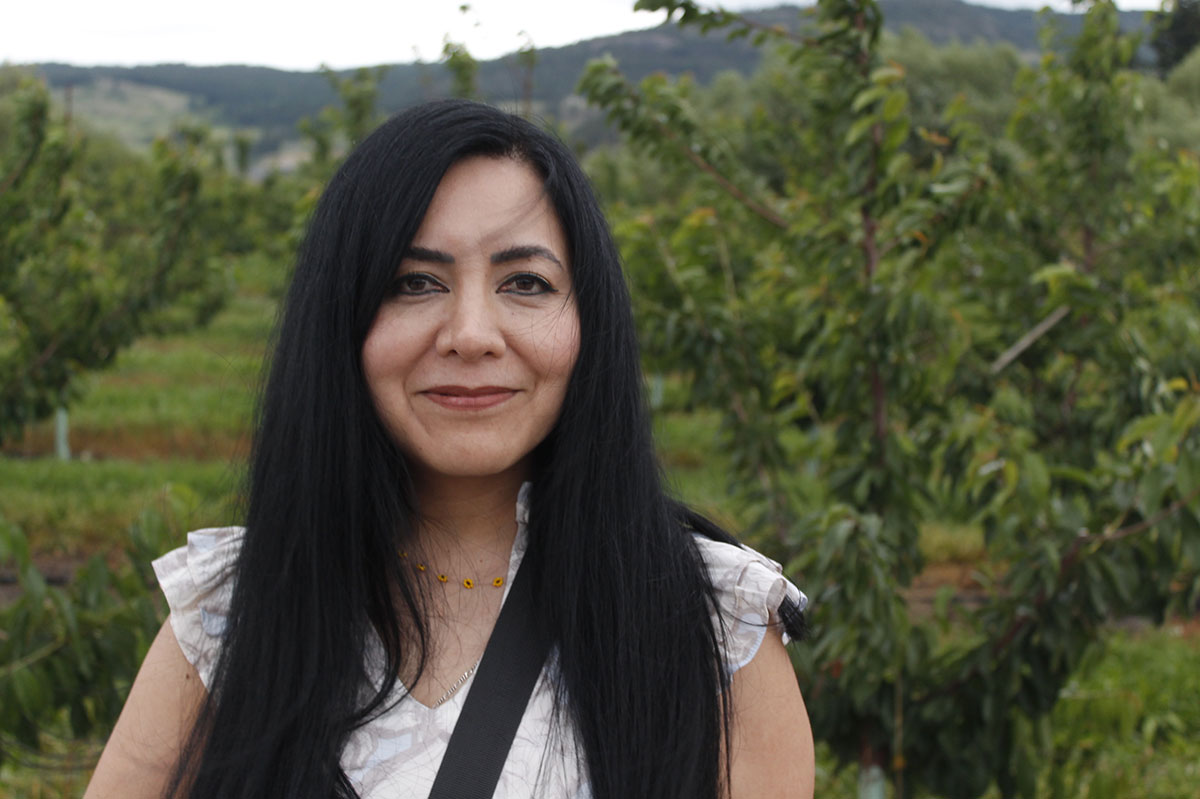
173, 411
188, 395
76, 508
204, 379
136, 405
696, 470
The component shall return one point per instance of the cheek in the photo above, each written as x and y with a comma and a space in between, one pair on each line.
563, 347
387, 355
373, 360
548, 342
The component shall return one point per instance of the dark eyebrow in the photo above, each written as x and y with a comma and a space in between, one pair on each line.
524, 251
429, 256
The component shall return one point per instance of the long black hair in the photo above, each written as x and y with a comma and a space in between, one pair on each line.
620, 586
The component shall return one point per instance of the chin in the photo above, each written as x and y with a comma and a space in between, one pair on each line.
476, 466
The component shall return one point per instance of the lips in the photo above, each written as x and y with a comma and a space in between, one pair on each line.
468, 398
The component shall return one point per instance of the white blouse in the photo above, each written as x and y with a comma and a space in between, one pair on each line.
398, 753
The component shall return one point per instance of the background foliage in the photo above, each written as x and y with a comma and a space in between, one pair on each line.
924, 316
910, 322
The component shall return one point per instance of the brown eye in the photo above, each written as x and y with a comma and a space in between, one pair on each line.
417, 283
527, 284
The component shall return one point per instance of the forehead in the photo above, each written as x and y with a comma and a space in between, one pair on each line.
484, 200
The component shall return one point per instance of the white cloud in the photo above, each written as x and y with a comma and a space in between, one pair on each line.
304, 34
298, 35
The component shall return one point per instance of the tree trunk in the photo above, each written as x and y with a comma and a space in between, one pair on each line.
62, 443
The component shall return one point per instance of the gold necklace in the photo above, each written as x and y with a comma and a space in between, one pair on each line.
467, 582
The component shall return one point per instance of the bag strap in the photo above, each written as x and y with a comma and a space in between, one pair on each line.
484, 732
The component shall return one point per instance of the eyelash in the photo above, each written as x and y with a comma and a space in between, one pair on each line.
401, 285
542, 285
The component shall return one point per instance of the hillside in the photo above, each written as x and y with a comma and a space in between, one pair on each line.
138, 103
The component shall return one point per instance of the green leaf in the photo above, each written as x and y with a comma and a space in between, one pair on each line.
886, 75
894, 105
33, 584
897, 134
31, 694
1186, 418
1151, 488
1036, 477
1056, 272
1147, 427
859, 129
1187, 475
953, 187
866, 97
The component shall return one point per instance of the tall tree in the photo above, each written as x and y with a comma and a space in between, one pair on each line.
93, 252
464, 70
1176, 34
900, 325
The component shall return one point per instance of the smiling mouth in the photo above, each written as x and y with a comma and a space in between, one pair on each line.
463, 398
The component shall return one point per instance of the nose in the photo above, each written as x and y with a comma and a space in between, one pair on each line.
471, 329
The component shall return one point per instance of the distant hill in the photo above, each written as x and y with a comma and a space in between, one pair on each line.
138, 103
943, 21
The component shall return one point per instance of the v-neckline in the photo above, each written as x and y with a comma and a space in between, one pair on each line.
520, 544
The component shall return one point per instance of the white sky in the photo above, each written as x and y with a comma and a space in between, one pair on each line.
303, 34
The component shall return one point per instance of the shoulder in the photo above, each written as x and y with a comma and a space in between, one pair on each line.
771, 747
195, 579
749, 589
771, 750
154, 724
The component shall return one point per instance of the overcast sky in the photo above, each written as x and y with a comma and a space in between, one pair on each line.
303, 34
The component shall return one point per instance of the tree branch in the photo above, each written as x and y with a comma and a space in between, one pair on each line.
1027, 340
1145, 524
722, 18
724, 182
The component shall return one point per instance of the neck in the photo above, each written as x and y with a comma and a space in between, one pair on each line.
468, 518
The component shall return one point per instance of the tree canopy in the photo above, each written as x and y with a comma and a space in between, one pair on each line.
97, 246
907, 313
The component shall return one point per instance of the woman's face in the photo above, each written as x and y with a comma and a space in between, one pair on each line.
469, 356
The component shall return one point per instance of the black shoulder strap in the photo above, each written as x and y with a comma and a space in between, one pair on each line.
493, 709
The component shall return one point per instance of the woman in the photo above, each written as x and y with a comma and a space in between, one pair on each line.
457, 342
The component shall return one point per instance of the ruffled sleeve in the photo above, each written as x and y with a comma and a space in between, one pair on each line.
750, 588
194, 579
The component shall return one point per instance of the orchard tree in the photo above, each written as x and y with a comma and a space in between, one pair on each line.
337, 128
95, 251
97, 247
464, 70
900, 325
69, 653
